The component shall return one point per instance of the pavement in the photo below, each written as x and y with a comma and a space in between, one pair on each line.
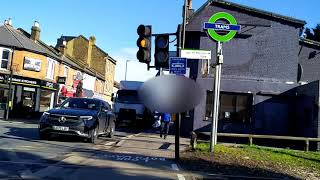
129, 155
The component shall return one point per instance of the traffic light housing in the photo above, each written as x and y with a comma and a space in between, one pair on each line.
144, 43
161, 54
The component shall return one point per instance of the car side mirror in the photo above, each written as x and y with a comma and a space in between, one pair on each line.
57, 105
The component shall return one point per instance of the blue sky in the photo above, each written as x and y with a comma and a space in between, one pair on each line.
114, 22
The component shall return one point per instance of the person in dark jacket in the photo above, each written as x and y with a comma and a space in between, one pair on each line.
165, 124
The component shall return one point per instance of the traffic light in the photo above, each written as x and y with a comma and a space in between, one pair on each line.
161, 54
144, 44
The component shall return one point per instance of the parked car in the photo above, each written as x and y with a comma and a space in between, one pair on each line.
83, 117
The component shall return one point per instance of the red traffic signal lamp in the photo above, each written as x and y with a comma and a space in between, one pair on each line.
144, 43
161, 55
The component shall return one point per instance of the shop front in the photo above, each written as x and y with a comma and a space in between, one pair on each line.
30, 97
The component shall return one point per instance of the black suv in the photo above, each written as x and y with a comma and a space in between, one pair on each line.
84, 117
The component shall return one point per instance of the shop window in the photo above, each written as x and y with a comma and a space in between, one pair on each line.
5, 57
46, 99
50, 68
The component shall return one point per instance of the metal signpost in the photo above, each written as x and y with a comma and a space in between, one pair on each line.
178, 66
232, 28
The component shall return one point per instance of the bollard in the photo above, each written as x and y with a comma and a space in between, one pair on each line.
193, 140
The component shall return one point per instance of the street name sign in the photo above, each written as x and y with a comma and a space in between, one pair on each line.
178, 65
195, 54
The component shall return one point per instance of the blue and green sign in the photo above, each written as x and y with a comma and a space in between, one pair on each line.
212, 26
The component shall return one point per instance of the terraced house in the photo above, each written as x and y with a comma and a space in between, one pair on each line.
40, 75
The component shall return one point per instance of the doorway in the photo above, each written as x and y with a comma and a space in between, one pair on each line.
28, 99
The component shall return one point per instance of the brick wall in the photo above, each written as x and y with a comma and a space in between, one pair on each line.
79, 48
261, 59
18, 61
98, 60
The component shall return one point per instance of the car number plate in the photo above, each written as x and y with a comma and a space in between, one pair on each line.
61, 128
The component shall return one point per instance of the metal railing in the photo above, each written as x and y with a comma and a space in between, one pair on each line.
254, 136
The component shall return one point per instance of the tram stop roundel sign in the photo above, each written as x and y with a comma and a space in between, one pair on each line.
212, 27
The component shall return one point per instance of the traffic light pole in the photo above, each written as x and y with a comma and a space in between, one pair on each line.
216, 97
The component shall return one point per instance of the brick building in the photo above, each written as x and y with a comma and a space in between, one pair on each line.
33, 84
262, 88
88, 55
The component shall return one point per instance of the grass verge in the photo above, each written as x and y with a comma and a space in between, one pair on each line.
254, 161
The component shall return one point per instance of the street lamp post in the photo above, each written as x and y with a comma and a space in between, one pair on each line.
125, 75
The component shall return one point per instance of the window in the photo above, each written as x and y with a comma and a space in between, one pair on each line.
46, 99
81, 103
233, 107
5, 57
50, 68
106, 86
209, 105
66, 72
101, 87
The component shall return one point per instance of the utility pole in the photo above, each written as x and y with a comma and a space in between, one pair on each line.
125, 75
180, 46
9, 100
216, 97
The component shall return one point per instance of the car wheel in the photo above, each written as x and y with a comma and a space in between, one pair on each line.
111, 133
44, 136
94, 136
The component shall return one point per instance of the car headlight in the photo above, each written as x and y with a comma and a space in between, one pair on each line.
86, 118
44, 116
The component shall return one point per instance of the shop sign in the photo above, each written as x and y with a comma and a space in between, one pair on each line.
31, 64
49, 85
61, 80
24, 81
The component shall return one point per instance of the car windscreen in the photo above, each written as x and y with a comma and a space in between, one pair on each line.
81, 103
127, 96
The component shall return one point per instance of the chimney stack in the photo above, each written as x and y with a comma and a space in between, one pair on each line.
189, 4
35, 31
63, 47
92, 42
10, 21
190, 11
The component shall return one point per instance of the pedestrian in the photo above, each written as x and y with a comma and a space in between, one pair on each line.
165, 124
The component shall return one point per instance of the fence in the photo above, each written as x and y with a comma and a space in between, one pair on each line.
254, 136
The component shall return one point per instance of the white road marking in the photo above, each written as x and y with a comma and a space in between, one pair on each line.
181, 177
53, 168
109, 143
174, 167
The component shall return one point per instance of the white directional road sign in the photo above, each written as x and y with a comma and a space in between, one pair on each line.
195, 54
